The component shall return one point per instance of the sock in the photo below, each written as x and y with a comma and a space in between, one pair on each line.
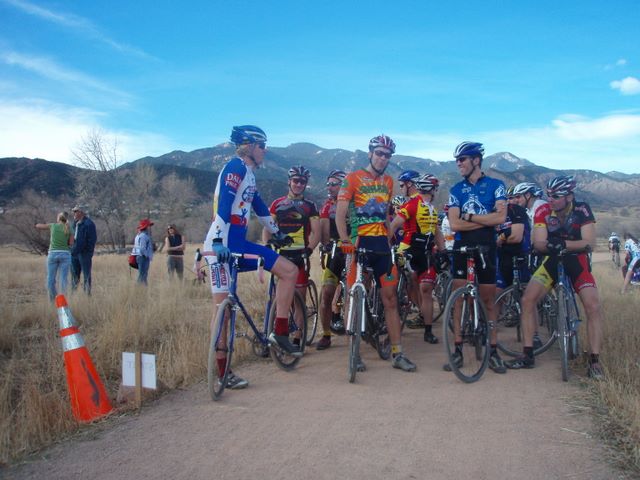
427, 328
281, 326
595, 358
528, 352
222, 365
494, 349
296, 341
326, 333
459, 347
396, 350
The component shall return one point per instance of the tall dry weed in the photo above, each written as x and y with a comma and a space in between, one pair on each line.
168, 318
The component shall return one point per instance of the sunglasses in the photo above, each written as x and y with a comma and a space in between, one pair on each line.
556, 197
462, 159
382, 154
402, 185
333, 184
261, 145
299, 181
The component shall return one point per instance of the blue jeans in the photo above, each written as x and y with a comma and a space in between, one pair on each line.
81, 263
58, 262
143, 268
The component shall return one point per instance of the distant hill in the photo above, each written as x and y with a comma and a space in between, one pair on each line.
602, 190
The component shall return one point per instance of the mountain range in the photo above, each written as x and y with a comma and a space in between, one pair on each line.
602, 190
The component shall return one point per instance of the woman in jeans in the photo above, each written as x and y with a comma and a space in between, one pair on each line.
143, 249
59, 256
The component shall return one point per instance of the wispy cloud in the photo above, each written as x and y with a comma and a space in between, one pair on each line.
77, 24
36, 128
621, 62
627, 86
49, 69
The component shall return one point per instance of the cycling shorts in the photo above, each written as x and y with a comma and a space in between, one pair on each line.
298, 259
504, 274
576, 266
486, 275
219, 273
379, 263
334, 267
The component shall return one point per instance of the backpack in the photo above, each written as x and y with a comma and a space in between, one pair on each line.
133, 261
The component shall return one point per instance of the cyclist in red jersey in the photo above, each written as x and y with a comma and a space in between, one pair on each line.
563, 224
367, 192
421, 237
334, 259
297, 217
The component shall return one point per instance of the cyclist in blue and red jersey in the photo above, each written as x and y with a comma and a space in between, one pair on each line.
564, 224
234, 197
477, 205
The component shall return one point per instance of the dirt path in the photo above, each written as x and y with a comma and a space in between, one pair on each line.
311, 423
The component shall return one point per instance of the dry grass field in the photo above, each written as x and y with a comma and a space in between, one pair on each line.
171, 320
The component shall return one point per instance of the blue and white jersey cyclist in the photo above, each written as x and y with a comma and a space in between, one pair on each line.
234, 198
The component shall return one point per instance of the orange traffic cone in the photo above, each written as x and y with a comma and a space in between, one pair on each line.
89, 399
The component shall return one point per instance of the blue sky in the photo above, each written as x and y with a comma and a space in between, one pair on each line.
555, 82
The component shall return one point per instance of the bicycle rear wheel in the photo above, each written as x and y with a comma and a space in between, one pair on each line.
563, 333
312, 312
221, 339
475, 337
356, 310
297, 332
404, 303
441, 292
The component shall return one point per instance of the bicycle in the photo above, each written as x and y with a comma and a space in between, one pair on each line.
472, 325
404, 300
337, 299
568, 316
224, 332
365, 317
509, 310
442, 287
312, 294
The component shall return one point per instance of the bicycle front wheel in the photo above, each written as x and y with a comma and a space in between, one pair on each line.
442, 291
508, 321
221, 341
563, 332
460, 314
312, 312
297, 317
356, 319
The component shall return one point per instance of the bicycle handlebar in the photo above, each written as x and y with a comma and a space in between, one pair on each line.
246, 256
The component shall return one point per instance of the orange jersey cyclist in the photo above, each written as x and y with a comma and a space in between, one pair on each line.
334, 259
421, 237
476, 205
563, 224
367, 193
297, 217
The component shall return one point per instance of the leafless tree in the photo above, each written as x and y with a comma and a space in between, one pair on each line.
21, 216
102, 186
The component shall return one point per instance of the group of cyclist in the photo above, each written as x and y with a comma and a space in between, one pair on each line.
358, 214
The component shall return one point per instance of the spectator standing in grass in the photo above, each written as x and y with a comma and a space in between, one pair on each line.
174, 245
143, 249
59, 256
83, 246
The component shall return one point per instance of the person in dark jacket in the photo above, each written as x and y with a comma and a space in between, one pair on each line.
83, 246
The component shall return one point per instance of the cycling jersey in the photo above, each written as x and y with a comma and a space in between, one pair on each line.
293, 216
234, 197
633, 248
576, 265
368, 198
537, 203
447, 233
579, 216
419, 217
328, 211
516, 215
480, 199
